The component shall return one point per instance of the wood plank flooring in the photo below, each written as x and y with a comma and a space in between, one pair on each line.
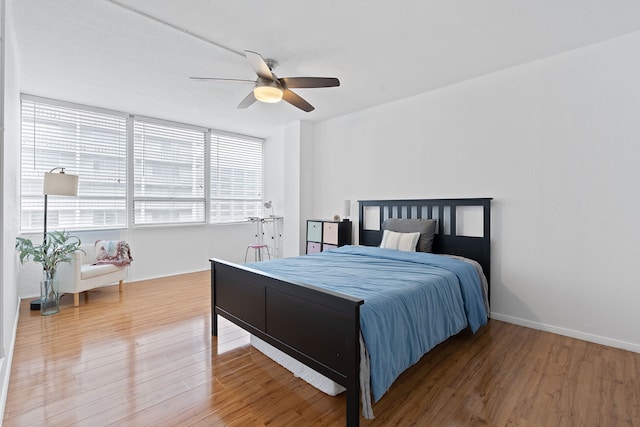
146, 357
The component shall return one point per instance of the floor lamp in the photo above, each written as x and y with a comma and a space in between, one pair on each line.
55, 184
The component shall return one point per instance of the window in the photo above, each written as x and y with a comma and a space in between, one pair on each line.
91, 143
168, 165
175, 170
236, 178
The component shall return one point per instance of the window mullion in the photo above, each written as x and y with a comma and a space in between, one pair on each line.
130, 175
207, 175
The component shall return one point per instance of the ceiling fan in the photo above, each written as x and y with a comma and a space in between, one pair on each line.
269, 88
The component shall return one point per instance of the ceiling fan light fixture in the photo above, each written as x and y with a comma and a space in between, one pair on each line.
270, 89
266, 91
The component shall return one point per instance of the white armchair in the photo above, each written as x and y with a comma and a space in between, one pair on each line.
80, 275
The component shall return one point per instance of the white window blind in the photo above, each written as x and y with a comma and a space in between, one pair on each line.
90, 143
168, 173
169, 169
236, 178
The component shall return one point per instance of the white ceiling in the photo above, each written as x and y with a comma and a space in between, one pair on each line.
101, 53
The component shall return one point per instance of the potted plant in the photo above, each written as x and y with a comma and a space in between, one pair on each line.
59, 246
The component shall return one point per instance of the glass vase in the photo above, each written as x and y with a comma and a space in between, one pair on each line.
49, 303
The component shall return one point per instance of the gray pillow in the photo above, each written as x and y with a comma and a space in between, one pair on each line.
426, 227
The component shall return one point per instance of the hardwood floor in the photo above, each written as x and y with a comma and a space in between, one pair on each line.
146, 357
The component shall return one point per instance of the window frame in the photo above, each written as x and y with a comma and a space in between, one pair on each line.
129, 161
151, 199
258, 200
77, 204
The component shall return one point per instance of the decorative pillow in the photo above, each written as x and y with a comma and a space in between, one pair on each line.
426, 228
113, 252
401, 241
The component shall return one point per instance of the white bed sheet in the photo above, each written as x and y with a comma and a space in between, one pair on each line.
298, 369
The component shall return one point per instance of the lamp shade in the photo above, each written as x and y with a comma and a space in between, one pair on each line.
346, 209
60, 184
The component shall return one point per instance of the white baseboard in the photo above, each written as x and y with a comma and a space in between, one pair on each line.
611, 342
5, 365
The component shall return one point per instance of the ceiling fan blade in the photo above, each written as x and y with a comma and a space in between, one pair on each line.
250, 99
205, 79
295, 100
259, 65
309, 82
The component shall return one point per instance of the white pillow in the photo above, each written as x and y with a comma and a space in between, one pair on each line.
401, 241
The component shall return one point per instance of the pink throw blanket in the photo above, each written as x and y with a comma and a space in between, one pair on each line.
113, 252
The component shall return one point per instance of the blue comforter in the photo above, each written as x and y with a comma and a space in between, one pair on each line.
412, 300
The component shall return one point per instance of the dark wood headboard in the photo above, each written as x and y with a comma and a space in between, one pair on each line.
447, 239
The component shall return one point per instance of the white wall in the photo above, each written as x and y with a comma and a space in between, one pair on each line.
298, 174
162, 251
9, 103
273, 167
556, 144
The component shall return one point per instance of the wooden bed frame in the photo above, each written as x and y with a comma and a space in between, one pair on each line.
321, 328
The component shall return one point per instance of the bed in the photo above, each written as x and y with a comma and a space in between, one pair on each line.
321, 327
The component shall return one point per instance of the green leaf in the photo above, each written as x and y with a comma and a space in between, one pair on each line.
58, 247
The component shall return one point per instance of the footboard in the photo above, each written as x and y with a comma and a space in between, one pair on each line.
317, 327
